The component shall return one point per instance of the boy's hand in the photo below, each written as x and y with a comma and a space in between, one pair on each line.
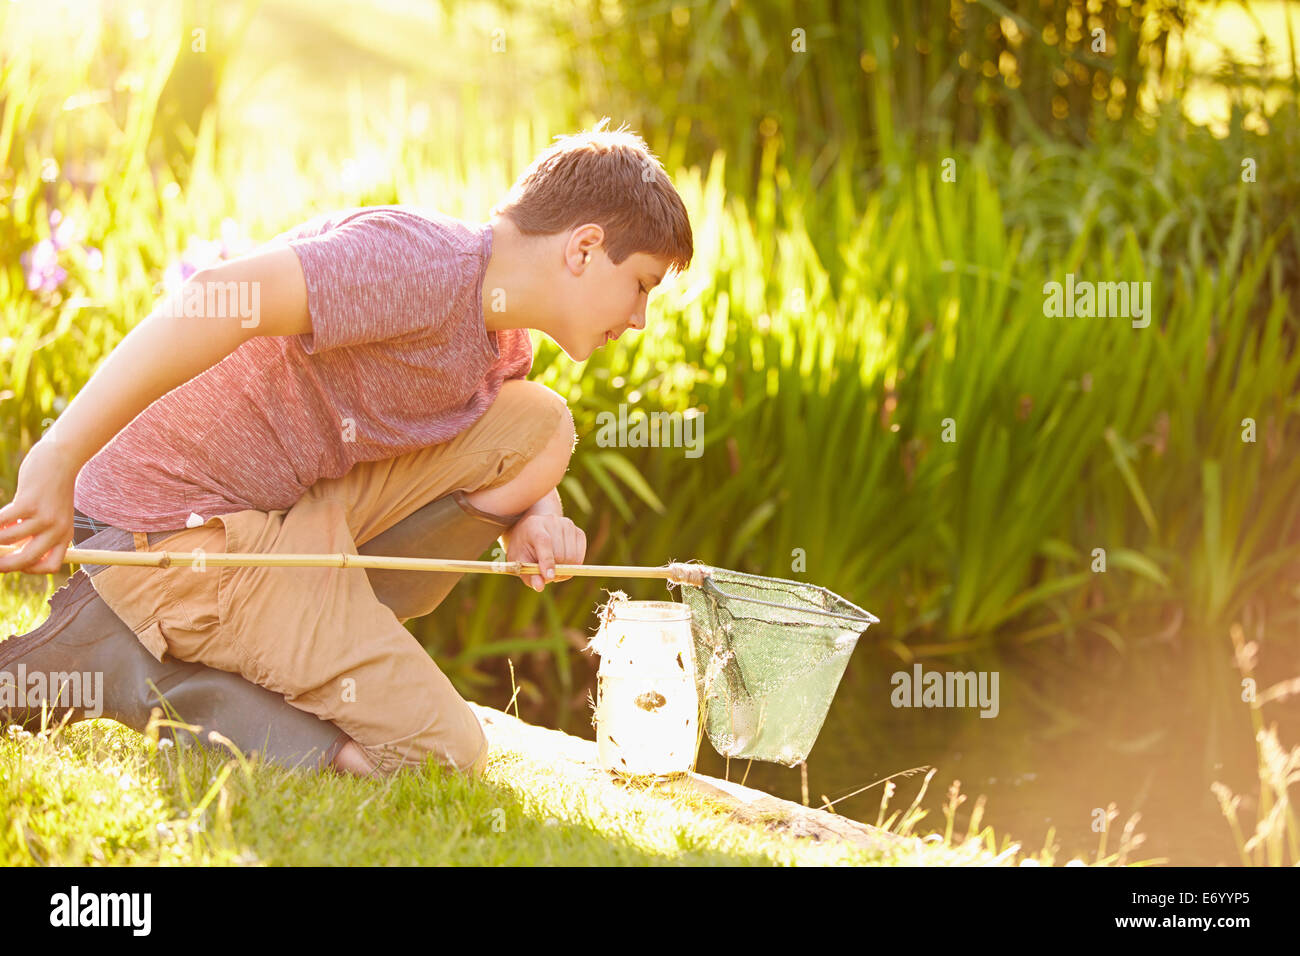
43, 505
545, 540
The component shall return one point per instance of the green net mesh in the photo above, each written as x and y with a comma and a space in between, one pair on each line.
769, 654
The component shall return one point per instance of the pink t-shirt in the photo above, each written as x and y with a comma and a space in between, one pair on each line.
399, 358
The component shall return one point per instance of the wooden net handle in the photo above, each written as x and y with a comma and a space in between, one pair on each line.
677, 572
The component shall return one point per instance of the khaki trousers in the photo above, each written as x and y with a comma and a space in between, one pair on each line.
319, 636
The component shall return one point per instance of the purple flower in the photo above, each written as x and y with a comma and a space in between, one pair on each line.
177, 274
201, 253
41, 264
62, 231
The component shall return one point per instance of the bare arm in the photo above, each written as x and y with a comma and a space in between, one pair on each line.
543, 536
549, 505
164, 351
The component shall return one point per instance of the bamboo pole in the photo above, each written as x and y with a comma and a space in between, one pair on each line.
676, 571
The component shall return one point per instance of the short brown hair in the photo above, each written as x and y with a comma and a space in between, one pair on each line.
612, 179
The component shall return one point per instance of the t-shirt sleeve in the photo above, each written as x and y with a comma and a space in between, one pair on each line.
379, 275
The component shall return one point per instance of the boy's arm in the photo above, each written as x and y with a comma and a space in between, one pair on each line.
550, 505
543, 536
164, 351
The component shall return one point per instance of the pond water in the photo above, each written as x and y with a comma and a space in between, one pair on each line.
1061, 746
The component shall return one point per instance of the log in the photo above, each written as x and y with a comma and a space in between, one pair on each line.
572, 757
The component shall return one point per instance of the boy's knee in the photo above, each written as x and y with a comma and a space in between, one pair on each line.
542, 438
543, 417
564, 438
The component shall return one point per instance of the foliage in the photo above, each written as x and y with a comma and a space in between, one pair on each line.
825, 333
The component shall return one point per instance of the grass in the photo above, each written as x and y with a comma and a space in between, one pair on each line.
1274, 840
97, 793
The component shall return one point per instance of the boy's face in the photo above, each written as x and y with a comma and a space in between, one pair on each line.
608, 299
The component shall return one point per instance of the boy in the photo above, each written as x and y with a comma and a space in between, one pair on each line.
374, 402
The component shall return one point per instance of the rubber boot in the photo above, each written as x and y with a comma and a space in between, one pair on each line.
82, 635
449, 527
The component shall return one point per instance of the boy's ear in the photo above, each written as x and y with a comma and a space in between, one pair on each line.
583, 241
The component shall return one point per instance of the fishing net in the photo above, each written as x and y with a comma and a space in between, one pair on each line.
769, 655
